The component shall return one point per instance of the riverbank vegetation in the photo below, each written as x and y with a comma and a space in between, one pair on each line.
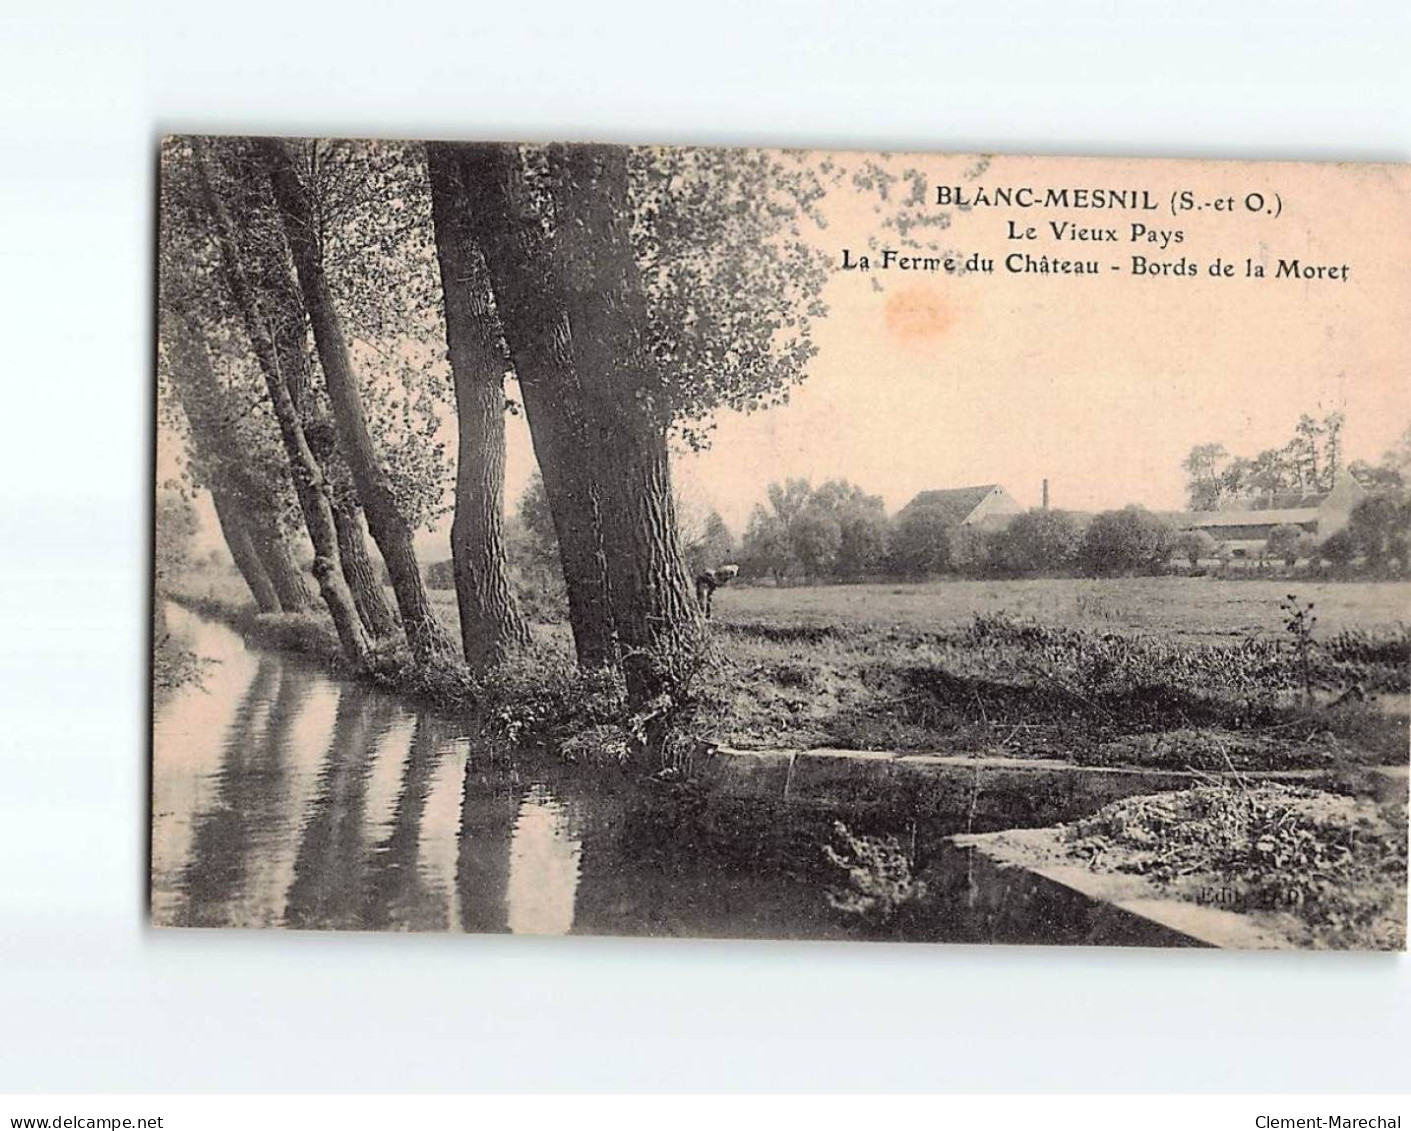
1334, 864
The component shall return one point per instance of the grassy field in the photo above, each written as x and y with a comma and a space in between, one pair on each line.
1198, 609
1191, 608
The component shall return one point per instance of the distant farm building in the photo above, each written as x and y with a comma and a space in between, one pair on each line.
1246, 530
988, 507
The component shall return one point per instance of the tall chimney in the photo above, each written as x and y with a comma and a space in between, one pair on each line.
1045, 494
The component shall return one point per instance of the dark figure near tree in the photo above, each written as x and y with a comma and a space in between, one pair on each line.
711, 580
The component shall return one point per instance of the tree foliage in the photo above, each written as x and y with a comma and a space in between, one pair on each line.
176, 527
1339, 549
921, 541
732, 277
1130, 540
1284, 542
1380, 528
707, 543
372, 207
1308, 463
1037, 541
836, 530
230, 439
1195, 546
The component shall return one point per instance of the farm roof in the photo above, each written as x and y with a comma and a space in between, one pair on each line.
953, 504
1294, 516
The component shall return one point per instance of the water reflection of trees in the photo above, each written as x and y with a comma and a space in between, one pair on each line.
398, 892
549, 853
231, 835
490, 803
330, 869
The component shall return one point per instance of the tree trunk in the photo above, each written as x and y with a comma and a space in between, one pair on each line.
492, 626
657, 619
237, 497
290, 341
360, 574
426, 636
507, 224
242, 551
280, 567
309, 481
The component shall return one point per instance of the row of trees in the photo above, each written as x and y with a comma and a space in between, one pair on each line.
1113, 543
838, 532
319, 302
835, 530
1309, 463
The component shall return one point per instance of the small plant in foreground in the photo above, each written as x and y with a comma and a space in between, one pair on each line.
1337, 863
1298, 622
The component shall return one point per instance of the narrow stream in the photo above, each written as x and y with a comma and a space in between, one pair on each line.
285, 797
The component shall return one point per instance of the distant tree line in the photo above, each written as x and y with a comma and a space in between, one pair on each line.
1309, 463
838, 532
1374, 542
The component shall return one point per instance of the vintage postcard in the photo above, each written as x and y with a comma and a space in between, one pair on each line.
740, 543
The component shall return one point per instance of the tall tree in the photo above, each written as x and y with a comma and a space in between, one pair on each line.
507, 218
362, 577
1333, 424
310, 482
492, 626
372, 217
1203, 483
270, 544
724, 241
232, 448
267, 265
242, 553
861, 520
628, 412
190, 254
1302, 453
426, 636
312, 406
244, 491
372, 203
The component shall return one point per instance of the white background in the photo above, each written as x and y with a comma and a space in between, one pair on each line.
92, 1000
